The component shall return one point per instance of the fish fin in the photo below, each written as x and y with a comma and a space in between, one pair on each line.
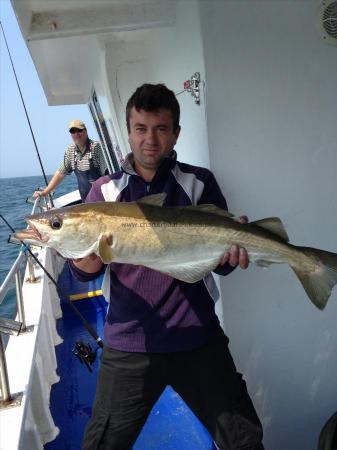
318, 284
190, 272
209, 208
104, 248
154, 200
274, 225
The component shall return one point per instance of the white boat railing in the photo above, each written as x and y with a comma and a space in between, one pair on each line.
12, 327
28, 367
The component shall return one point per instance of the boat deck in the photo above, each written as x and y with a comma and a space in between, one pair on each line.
171, 424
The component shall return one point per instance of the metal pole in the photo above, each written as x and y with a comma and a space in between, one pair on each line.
19, 301
4, 383
32, 277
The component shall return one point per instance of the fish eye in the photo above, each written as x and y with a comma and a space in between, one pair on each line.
55, 223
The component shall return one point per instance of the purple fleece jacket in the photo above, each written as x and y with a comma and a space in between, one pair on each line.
150, 311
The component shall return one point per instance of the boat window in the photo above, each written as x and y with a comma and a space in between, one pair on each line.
110, 149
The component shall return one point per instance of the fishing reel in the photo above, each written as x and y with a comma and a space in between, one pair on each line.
85, 354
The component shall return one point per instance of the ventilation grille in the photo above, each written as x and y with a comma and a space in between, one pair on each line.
328, 21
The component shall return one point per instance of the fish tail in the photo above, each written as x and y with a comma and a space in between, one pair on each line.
319, 281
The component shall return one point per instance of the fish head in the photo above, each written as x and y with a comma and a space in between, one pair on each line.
72, 231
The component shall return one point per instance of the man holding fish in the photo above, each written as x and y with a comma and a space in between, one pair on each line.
159, 329
161, 227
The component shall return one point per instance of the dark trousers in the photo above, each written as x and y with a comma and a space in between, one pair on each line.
129, 384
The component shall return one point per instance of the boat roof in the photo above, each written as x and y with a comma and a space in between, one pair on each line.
71, 31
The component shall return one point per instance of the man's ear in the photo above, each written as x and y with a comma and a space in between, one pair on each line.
177, 132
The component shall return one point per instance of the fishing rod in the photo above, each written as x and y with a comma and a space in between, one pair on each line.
83, 352
24, 106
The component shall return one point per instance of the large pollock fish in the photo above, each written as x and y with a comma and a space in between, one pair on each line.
184, 242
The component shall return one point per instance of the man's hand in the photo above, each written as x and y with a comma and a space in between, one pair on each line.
39, 193
89, 264
236, 256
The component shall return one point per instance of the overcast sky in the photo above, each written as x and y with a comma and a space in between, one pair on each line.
49, 123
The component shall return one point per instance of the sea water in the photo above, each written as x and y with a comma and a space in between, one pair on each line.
14, 207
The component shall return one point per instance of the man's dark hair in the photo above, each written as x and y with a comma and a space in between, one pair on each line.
153, 97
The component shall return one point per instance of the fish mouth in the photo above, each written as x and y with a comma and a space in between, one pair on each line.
36, 233
30, 233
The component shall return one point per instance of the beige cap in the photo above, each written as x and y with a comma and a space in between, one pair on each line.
77, 124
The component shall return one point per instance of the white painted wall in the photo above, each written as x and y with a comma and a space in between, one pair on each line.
271, 117
167, 55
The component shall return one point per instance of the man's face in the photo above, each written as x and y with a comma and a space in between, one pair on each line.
79, 136
151, 137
